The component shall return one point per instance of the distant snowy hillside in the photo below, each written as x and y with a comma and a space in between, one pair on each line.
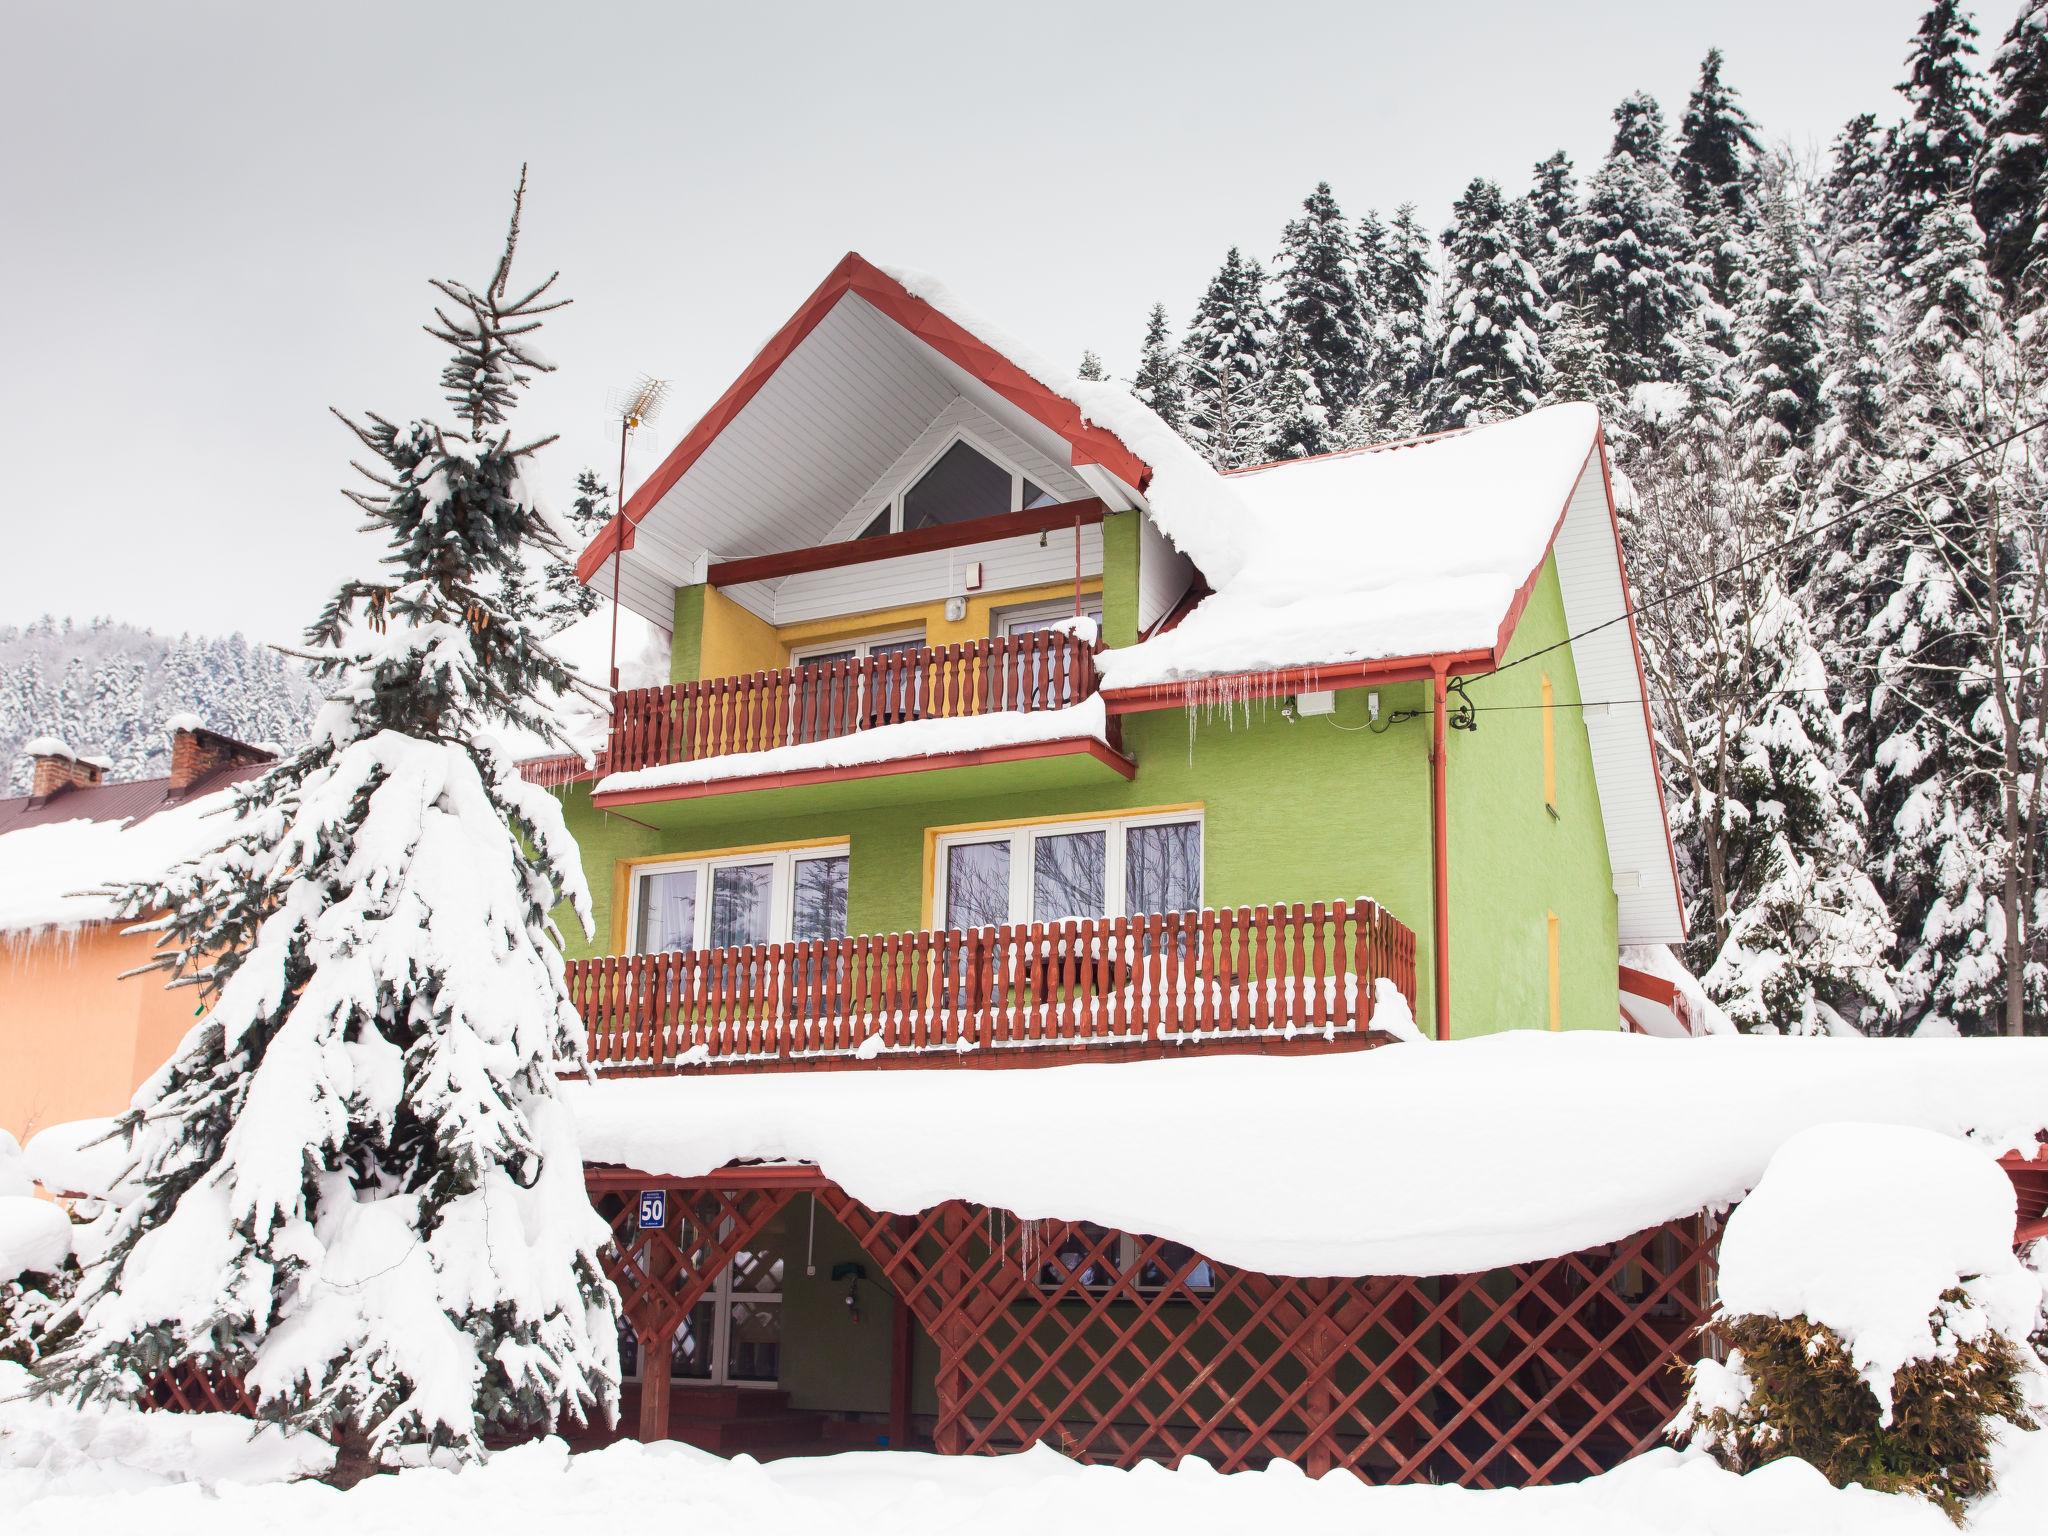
107, 688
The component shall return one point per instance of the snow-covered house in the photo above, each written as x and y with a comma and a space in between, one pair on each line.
1002, 731
77, 1033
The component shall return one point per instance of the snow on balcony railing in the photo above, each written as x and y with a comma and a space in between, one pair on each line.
759, 711
1166, 979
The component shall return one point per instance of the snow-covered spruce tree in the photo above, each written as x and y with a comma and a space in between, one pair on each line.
1397, 285
2010, 194
1298, 421
1091, 367
1961, 641
1715, 164
1158, 379
1319, 302
1784, 921
1778, 333
1632, 250
361, 1194
1934, 153
1579, 368
1553, 201
558, 598
1491, 364
1226, 355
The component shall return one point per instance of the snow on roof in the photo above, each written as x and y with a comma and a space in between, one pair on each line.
1088, 720
1411, 1159
35, 1237
53, 874
1864, 1227
1415, 549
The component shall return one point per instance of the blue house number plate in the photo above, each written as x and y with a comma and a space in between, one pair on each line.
653, 1209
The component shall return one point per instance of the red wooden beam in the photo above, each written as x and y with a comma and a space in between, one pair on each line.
915, 541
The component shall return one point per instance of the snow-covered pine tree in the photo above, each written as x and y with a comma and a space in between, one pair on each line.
1091, 367
2010, 194
1961, 641
359, 1191
1553, 201
1934, 153
1492, 360
1158, 380
1226, 354
1779, 335
1320, 303
1631, 257
1714, 167
1579, 368
1408, 351
559, 599
1297, 417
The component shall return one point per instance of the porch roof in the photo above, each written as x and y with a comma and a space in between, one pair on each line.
1415, 1159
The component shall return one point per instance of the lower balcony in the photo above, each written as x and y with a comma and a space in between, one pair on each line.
1285, 977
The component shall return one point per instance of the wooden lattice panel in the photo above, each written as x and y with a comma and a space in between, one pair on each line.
662, 1274
1115, 1347
195, 1387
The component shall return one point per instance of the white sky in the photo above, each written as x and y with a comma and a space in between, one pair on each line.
216, 220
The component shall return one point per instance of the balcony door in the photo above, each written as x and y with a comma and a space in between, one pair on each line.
720, 903
1048, 692
868, 704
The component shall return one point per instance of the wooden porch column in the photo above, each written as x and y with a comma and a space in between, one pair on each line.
1319, 1401
654, 1367
950, 1437
902, 1357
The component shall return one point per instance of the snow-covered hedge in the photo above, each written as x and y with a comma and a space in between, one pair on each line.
1876, 1317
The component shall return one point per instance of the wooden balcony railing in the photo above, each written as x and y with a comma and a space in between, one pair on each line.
1164, 979
718, 716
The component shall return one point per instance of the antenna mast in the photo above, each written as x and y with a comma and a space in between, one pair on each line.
635, 407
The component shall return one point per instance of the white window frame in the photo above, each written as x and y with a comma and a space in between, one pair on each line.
781, 889
1115, 850
861, 648
893, 504
721, 1295
1061, 608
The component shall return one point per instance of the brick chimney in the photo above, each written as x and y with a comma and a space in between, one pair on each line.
197, 752
58, 767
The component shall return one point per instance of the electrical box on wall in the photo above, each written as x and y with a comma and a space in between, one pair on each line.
971, 576
1322, 703
956, 609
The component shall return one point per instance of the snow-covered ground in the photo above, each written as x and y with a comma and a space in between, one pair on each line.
198, 1475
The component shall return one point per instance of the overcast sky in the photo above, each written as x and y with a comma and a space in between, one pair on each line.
216, 220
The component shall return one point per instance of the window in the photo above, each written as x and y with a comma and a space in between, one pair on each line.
1092, 1257
759, 898
1109, 868
1044, 616
871, 705
963, 483
734, 1335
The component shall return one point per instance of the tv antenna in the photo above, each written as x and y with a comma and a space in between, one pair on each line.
635, 407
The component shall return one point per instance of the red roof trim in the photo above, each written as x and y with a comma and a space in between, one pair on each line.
1015, 752
856, 275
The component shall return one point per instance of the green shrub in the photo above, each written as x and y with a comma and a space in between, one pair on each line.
1801, 1395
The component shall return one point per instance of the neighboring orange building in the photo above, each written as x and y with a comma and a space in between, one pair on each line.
78, 1035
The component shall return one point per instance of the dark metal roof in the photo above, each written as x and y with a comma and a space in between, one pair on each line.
134, 800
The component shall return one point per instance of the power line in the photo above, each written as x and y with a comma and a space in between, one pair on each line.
1778, 548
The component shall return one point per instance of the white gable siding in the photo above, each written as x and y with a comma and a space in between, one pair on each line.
1589, 572
1006, 565
1163, 574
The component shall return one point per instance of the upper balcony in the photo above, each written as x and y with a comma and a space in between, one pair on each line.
1024, 702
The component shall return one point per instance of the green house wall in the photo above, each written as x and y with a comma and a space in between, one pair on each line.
1295, 809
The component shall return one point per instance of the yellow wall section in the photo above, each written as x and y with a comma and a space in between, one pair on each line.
76, 1037
735, 642
931, 617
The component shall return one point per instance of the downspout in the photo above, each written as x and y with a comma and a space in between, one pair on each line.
1440, 851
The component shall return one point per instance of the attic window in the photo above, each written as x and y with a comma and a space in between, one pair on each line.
963, 484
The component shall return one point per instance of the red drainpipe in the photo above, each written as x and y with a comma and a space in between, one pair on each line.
1440, 851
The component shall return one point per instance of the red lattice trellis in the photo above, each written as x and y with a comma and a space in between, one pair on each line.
1116, 1347
195, 1387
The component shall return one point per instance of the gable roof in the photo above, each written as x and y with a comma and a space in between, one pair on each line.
1398, 556
57, 851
